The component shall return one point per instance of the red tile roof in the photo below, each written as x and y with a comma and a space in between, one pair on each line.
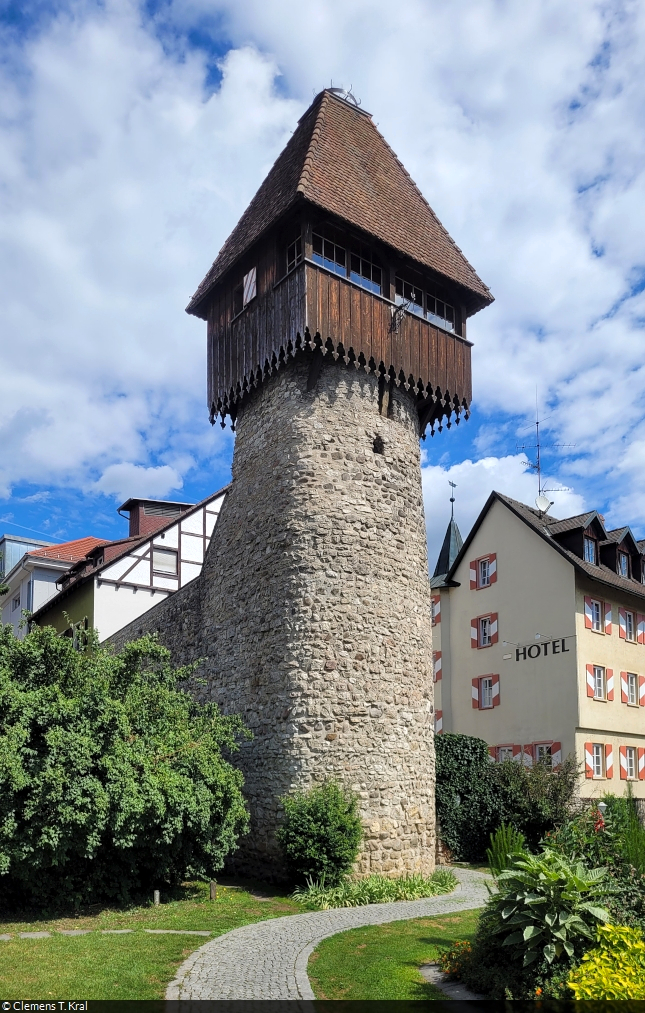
70, 551
338, 161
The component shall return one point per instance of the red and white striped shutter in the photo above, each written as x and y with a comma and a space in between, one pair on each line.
623, 762
527, 756
640, 628
556, 754
622, 624
588, 615
474, 632
607, 618
437, 665
588, 759
493, 628
609, 761
438, 722
609, 674
475, 693
641, 764
495, 679
590, 681
473, 575
517, 752
492, 567
624, 689
436, 608
641, 690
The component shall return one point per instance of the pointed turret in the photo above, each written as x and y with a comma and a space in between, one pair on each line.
450, 549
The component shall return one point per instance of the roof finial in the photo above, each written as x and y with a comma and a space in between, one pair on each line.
452, 500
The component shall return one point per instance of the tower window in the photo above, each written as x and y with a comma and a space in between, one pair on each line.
363, 271
294, 253
329, 254
424, 304
590, 553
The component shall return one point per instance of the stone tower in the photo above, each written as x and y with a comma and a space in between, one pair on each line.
336, 316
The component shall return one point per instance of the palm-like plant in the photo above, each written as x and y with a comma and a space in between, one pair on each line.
546, 906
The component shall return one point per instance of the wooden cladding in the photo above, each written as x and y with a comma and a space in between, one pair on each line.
312, 308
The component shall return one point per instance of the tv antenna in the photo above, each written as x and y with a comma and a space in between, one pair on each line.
542, 501
452, 500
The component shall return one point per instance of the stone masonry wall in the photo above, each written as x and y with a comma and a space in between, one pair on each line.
315, 612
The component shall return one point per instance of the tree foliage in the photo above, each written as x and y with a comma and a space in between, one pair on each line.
112, 778
475, 796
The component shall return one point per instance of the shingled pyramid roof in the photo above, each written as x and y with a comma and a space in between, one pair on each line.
338, 161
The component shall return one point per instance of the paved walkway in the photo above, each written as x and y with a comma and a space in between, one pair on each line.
268, 960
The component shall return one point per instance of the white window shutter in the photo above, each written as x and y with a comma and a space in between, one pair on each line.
496, 698
622, 624
609, 761
588, 614
493, 628
624, 688
622, 751
607, 608
588, 759
609, 675
492, 569
591, 683
474, 632
473, 575
475, 694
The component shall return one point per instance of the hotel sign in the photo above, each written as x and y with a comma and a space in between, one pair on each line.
544, 649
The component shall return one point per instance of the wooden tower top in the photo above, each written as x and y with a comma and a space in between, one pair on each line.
339, 251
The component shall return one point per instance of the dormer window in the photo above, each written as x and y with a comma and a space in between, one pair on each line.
590, 550
623, 564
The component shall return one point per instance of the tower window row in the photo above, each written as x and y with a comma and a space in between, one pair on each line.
359, 264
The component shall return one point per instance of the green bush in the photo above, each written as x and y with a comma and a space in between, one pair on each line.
375, 890
112, 778
615, 969
321, 833
475, 796
504, 843
535, 928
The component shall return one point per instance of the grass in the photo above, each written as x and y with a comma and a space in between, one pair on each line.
133, 966
382, 961
376, 889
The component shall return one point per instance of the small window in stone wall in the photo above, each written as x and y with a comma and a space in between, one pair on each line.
379, 446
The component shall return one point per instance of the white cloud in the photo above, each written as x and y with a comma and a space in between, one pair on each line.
475, 480
121, 176
128, 480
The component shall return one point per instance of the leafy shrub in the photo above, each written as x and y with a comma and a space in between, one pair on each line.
454, 960
112, 778
375, 890
475, 796
535, 928
615, 969
546, 906
504, 843
321, 833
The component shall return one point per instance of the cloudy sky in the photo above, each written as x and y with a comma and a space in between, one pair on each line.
132, 136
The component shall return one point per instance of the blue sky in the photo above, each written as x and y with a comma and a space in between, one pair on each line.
132, 136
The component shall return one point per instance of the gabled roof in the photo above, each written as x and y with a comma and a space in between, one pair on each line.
452, 543
123, 547
619, 535
575, 523
338, 161
544, 526
70, 551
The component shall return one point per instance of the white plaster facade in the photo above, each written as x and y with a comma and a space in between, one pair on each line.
122, 580
540, 651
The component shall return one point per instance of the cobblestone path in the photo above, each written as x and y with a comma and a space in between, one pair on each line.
268, 960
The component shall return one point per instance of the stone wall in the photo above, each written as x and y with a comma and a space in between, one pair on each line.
314, 619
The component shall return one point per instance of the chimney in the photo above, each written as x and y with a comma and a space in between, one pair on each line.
148, 515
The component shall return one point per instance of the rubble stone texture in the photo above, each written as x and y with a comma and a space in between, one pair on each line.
315, 621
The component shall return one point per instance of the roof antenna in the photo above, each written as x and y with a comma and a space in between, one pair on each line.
452, 500
346, 94
542, 502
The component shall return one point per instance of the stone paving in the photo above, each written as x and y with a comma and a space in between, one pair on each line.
268, 960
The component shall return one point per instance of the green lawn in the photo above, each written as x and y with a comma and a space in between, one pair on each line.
132, 966
382, 961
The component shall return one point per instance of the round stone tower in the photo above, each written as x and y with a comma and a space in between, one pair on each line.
317, 610
336, 315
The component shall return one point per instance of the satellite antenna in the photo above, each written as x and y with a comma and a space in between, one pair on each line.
452, 500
